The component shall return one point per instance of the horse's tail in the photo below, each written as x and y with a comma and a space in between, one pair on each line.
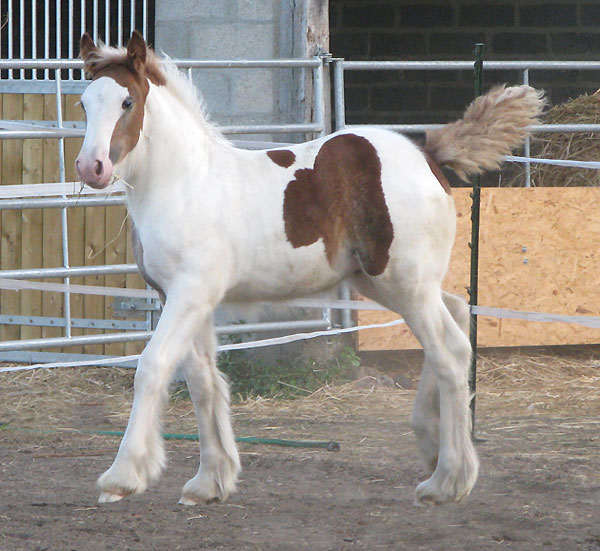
492, 126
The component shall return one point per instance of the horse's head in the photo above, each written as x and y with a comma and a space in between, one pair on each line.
114, 105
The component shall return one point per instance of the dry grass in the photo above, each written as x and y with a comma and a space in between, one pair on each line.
578, 146
101, 397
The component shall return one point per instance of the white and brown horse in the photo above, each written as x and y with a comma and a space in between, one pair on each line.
214, 222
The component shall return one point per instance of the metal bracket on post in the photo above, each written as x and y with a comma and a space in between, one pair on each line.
138, 308
474, 245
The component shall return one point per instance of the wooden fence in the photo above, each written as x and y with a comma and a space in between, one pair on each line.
32, 238
539, 251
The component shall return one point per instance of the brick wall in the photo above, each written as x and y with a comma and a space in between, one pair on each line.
436, 30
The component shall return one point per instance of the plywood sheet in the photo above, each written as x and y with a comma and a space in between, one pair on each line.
539, 251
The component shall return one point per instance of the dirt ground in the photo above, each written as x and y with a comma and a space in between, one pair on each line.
539, 486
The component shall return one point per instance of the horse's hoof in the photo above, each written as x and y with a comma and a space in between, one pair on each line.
107, 497
187, 501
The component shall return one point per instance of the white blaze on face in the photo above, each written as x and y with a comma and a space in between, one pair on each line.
103, 104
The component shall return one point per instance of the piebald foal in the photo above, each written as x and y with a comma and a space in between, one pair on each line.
213, 222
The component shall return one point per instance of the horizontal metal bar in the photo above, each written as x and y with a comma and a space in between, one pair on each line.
31, 357
246, 63
29, 344
79, 271
10, 204
270, 128
38, 86
565, 128
241, 129
145, 335
537, 128
39, 321
181, 63
41, 134
468, 65
38, 124
267, 327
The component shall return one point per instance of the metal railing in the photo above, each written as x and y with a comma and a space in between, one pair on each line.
14, 350
64, 129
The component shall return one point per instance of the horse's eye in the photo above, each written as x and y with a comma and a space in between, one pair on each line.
127, 103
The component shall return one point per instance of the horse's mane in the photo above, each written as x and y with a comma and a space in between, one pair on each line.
162, 72
184, 90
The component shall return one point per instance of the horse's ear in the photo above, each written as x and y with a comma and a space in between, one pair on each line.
86, 46
136, 51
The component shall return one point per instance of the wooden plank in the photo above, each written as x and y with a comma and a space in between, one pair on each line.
556, 231
10, 257
116, 253
32, 219
133, 281
94, 256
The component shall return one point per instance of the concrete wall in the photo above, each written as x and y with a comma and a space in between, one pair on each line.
242, 29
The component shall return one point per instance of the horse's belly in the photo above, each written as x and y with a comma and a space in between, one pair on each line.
282, 274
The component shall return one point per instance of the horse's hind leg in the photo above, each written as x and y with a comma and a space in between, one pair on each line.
447, 353
219, 460
425, 418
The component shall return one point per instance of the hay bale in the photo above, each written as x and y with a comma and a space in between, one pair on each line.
579, 146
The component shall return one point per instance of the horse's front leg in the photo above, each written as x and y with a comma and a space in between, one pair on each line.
209, 390
141, 455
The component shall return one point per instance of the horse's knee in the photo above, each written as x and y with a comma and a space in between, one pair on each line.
459, 310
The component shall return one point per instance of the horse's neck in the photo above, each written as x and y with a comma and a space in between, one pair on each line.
174, 148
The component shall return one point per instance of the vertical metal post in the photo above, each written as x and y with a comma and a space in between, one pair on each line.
120, 23
473, 286
22, 34
319, 116
527, 148
10, 35
96, 23
107, 22
318, 95
145, 19
132, 17
71, 35
64, 221
339, 102
34, 35
58, 34
339, 111
82, 29
46, 35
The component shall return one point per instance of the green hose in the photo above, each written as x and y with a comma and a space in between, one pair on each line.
329, 446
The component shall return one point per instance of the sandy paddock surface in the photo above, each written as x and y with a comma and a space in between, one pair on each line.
539, 486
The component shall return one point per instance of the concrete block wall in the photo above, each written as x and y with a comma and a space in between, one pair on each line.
227, 29
436, 30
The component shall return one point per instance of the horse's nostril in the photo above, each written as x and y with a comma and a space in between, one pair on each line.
98, 168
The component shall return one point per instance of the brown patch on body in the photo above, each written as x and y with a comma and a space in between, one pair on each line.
439, 174
341, 201
282, 157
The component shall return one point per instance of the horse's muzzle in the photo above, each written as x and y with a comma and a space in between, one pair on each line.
95, 170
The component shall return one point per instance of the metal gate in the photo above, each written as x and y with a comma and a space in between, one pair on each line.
61, 79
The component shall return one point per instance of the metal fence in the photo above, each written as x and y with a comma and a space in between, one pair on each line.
14, 350
61, 129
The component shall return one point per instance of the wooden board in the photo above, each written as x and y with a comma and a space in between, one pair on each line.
539, 251
10, 242
32, 219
